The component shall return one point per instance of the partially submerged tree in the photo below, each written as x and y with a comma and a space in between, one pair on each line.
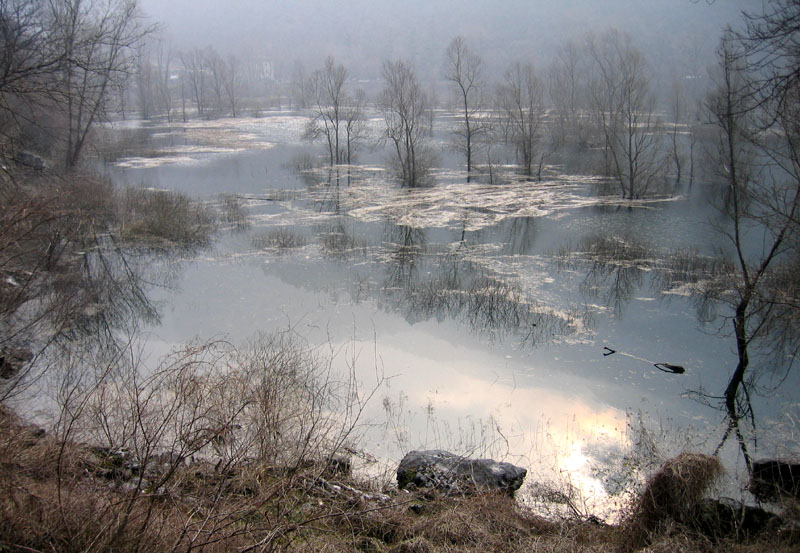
624, 111
464, 69
758, 156
567, 92
355, 124
403, 104
194, 78
327, 94
520, 101
96, 40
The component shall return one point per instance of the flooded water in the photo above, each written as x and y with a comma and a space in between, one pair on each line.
454, 300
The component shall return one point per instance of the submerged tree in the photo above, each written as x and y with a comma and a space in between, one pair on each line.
624, 109
567, 92
327, 95
355, 124
759, 159
194, 74
97, 39
464, 69
404, 105
521, 105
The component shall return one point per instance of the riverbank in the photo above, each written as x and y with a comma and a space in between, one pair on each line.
68, 496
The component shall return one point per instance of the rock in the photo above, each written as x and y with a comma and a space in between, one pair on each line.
28, 159
772, 479
451, 473
727, 519
12, 360
337, 465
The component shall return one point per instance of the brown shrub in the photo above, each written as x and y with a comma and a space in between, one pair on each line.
670, 496
162, 217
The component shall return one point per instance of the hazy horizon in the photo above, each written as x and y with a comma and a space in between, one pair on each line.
677, 36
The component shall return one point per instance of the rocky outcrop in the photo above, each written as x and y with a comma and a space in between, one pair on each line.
772, 479
450, 473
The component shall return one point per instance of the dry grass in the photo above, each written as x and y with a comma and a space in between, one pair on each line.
164, 218
280, 238
670, 497
51, 494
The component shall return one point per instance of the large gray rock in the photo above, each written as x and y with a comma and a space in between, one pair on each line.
451, 473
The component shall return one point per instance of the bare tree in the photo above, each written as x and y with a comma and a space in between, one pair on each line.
215, 68
624, 107
327, 93
355, 124
98, 40
404, 104
145, 83
677, 128
520, 102
464, 69
28, 58
230, 82
163, 60
194, 65
567, 91
762, 199
771, 44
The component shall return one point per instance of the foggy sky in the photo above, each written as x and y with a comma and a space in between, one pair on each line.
678, 36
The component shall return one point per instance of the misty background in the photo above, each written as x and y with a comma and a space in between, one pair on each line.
678, 37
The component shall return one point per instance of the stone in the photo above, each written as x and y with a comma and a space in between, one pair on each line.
28, 159
12, 360
728, 519
450, 473
773, 479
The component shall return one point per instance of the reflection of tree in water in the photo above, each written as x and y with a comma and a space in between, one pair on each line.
108, 290
405, 246
425, 285
340, 242
615, 267
522, 232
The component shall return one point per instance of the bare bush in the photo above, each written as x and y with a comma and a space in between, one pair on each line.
215, 448
281, 238
164, 218
234, 212
671, 495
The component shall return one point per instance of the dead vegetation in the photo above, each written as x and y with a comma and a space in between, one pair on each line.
178, 482
166, 219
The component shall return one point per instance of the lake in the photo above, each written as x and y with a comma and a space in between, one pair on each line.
469, 305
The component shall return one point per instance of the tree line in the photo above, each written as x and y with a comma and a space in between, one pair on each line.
596, 95
69, 64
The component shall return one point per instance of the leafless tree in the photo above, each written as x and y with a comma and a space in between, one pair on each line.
230, 82
567, 92
28, 58
145, 77
404, 104
521, 104
464, 69
624, 109
762, 200
215, 68
194, 71
678, 127
163, 60
327, 93
299, 85
355, 124
771, 44
98, 39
